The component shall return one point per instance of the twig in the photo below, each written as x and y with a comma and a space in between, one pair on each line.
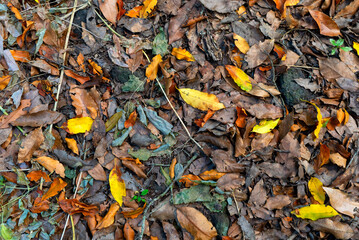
64, 59
178, 177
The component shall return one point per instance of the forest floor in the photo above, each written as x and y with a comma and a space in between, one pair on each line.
179, 119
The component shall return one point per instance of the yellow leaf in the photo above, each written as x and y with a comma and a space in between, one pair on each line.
72, 144
96, 69
152, 69
241, 43
240, 77
201, 100
241, 10
319, 118
79, 125
52, 165
265, 126
315, 212
289, 3
148, 6
356, 47
316, 189
117, 185
180, 54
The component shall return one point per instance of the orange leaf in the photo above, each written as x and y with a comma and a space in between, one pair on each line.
326, 25
21, 56
241, 117
172, 168
109, 219
148, 6
4, 81
189, 179
40, 205
323, 157
151, 70
202, 121
76, 76
52, 165
121, 10
72, 144
56, 186
340, 115
128, 232
135, 213
135, 12
81, 61
279, 50
346, 118
240, 77
73, 206
96, 69
36, 175
180, 54
15, 11
117, 185
131, 119
211, 175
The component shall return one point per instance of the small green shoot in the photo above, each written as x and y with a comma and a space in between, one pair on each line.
338, 44
138, 195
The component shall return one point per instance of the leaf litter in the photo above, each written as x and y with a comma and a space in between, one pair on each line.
242, 123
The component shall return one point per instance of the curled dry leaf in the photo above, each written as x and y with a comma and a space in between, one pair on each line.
136, 168
117, 185
211, 175
36, 175
342, 202
326, 25
316, 189
135, 213
109, 219
182, 54
52, 165
6, 120
77, 77
201, 100
56, 186
40, 205
30, 144
240, 77
152, 69
4, 81
195, 223
73, 206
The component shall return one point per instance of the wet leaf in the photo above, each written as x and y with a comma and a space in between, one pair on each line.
117, 185
316, 189
240, 77
79, 125
72, 144
240, 43
52, 165
182, 54
342, 202
326, 25
200, 100
57, 185
160, 123
265, 126
152, 69
109, 218
195, 223
315, 212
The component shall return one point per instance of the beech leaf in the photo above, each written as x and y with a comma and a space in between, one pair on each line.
341, 202
240, 78
315, 212
265, 126
117, 185
200, 100
316, 189
326, 25
79, 125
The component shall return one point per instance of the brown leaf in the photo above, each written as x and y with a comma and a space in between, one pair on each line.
45, 67
265, 111
225, 163
128, 232
6, 120
40, 205
230, 181
57, 186
38, 119
52, 165
30, 144
342, 202
134, 213
326, 25
349, 10
333, 68
98, 173
323, 157
170, 231
73, 206
258, 53
338, 229
277, 202
9, 176
109, 9
83, 102
222, 6
195, 223
36, 175
338, 159
109, 219
136, 168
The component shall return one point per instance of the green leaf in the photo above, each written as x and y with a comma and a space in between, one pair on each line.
346, 49
340, 42
6, 232
144, 192
159, 44
333, 42
334, 50
315, 212
134, 84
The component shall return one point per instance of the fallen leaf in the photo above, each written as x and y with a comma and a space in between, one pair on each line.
73, 206
79, 78
131, 120
40, 205
21, 56
241, 43
15, 11
5, 120
56, 186
128, 232
109, 10
342, 202
109, 218
315, 212
79, 125
333, 68
72, 144
4, 81
30, 144
152, 69
326, 25
222, 6
172, 168
136, 168
84, 102
356, 47
338, 159
319, 119
135, 12
147, 8
189, 180
117, 185
135, 213
51, 165
265, 126
258, 53
81, 61
181, 54
211, 175
36, 175
316, 189
201, 100
195, 223
323, 157
98, 173
202, 121
96, 69
241, 117
38, 119
277, 202
240, 77
338, 229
